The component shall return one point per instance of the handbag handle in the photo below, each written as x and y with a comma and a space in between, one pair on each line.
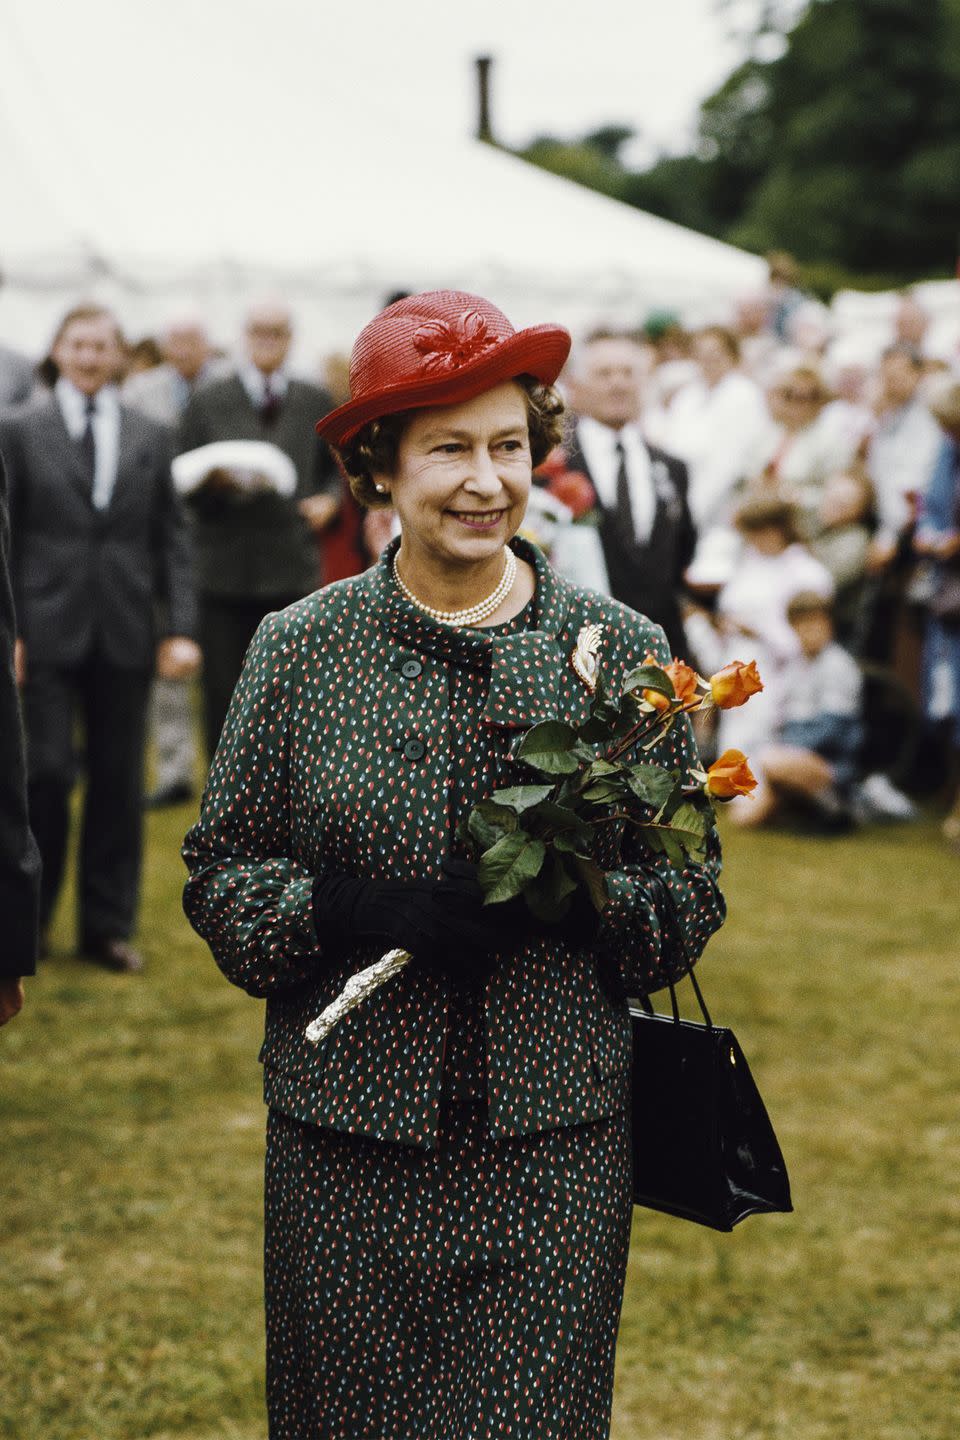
648, 1007
667, 913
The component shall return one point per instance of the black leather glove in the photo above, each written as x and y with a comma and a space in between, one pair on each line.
443, 923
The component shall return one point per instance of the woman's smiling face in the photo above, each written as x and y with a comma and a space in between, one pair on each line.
462, 477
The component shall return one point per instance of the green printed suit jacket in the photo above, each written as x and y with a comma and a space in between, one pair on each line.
337, 754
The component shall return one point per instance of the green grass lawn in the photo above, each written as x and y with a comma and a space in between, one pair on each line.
132, 1152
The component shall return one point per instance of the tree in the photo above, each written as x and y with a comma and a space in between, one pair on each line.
847, 133
844, 147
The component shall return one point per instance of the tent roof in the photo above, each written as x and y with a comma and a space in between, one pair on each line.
200, 184
402, 212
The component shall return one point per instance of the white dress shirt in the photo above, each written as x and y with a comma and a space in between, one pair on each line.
106, 432
255, 382
721, 433
599, 445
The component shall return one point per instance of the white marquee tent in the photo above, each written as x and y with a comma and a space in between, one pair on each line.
164, 159
334, 226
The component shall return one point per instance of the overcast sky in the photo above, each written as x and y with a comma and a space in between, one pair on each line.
172, 66
211, 130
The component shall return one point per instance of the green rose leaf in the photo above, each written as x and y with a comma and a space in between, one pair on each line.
649, 677
489, 822
597, 730
602, 792
663, 841
549, 747
548, 896
651, 784
552, 822
558, 817
689, 819
507, 868
678, 841
521, 797
567, 793
689, 825
593, 879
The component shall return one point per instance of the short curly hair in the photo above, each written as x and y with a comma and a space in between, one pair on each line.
373, 450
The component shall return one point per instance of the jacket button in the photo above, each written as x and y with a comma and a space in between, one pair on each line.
414, 749
410, 669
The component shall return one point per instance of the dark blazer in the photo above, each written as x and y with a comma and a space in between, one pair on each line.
648, 575
115, 578
16, 378
340, 753
248, 548
19, 860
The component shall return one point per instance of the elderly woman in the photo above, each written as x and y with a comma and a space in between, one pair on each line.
809, 442
448, 1176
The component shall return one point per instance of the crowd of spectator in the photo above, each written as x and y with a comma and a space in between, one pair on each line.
801, 475
744, 484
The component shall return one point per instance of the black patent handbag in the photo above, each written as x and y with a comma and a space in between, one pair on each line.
703, 1145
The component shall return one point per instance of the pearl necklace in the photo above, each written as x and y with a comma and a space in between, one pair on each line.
474, 614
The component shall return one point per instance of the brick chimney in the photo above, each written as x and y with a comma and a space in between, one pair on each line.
484, 64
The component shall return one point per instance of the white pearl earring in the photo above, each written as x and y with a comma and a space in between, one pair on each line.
381, 488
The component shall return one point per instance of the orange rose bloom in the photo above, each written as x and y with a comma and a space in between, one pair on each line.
654, 697
734, 684
729, 776
684, 682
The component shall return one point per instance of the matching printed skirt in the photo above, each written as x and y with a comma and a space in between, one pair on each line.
470, 1292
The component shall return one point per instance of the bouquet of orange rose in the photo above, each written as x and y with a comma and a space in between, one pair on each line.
541, 840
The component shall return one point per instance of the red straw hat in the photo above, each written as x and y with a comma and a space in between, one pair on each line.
438, 349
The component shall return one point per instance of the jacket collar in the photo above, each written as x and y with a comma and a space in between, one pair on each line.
525, 666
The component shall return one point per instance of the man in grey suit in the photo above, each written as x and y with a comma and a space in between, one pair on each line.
99, 555
260, 553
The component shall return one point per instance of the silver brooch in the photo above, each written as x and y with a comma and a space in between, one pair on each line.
585, 657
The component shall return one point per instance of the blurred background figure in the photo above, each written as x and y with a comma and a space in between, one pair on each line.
187, 361
938, 541
911, 324
783, 289
719, 426
846, 374
16, 378
902, 450
750, 620
139, 358
256, 553
808, 440
163, 392
19, 859
838, 535
758, 345
901, 455
100, 555
808, 329
645, 530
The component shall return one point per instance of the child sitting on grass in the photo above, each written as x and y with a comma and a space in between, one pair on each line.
813, 759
